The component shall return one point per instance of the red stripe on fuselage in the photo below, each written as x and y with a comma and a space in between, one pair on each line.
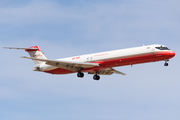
122, 61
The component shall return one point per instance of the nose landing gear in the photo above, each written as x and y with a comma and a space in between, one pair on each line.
166, 64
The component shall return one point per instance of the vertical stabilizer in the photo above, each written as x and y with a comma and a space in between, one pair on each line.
36, 53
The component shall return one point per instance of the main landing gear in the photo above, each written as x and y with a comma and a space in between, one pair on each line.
80, 74
166, 64
96, 77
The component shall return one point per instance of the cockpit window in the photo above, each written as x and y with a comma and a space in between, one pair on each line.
162, 48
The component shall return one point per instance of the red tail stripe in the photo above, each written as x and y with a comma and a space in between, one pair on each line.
29, 50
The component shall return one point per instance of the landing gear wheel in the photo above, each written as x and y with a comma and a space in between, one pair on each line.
96, 77
165, 64
80, 74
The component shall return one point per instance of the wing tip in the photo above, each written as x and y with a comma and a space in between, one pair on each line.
23, 57
7, 48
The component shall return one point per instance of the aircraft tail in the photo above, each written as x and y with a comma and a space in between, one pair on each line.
33, 51
36, 53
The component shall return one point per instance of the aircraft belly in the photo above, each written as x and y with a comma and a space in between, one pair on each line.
59, 71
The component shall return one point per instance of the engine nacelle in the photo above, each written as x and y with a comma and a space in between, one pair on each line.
36, 68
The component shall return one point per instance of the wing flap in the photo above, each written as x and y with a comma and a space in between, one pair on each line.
107, 71
117, 72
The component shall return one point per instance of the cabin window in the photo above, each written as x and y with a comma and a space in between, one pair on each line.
162, 48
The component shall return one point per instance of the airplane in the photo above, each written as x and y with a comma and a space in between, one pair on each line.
98, 63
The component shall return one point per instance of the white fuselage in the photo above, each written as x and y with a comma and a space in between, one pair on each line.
109, 55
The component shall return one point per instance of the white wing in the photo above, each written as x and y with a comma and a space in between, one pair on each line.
73, 66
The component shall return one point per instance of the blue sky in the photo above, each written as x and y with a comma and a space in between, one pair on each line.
66, 28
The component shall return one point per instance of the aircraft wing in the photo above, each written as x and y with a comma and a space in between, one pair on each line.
69, 65
107, 71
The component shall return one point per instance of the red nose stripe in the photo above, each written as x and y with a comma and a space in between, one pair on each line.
170, 54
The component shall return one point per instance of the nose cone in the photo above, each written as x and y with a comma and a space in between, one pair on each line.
171, 54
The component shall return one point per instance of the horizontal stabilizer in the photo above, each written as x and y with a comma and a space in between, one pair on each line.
20, 48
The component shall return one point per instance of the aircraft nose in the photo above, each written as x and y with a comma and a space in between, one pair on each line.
171, 54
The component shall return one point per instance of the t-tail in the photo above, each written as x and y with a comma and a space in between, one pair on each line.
36, 53
33, 51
